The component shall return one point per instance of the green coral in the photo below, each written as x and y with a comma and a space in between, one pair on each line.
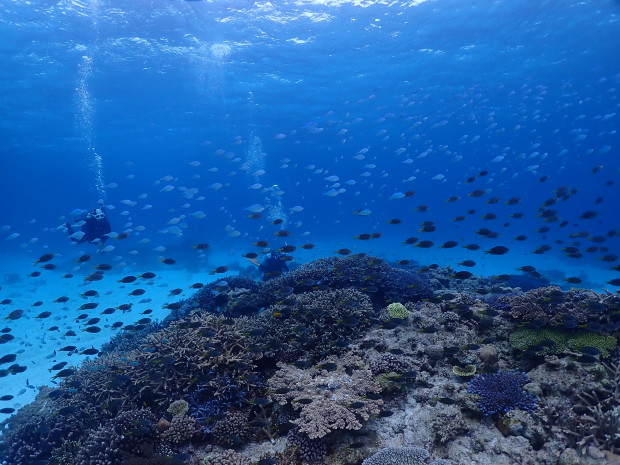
602, 342
397, 310
558, 341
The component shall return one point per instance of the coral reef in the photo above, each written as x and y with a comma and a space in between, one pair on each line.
314, 367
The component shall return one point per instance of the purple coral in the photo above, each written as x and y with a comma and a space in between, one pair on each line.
501, 392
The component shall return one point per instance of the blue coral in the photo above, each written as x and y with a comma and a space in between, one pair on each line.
502, 392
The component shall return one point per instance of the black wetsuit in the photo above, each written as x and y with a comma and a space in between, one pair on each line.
273, 266
93, 229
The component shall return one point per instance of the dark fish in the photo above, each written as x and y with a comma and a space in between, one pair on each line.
89, 306
498, 250
103, 267
168, 261
343, 251
588, 215
127, 279
84, 259
6, 302
220, 269
108, 311
266, 462
573, 280
395, 221
448, 245
410, 240
425, 244
43, 315
7, 410
468, 263
64, 373
91, 351
38, 303
471, 247
68, 349
8, 359
58, 366
90, 293
307, 246
92, 329
35, 274
6, 397
137, 292
613, 282
14, 315
49, 266
283, 233
45, 258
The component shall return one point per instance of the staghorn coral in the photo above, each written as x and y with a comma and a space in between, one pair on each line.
231, 296
398, 456
501, 392
599, 422
327, 400
313, 324
201, 348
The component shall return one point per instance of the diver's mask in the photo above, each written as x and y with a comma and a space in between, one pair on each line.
98, 214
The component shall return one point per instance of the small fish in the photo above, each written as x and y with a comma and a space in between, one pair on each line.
462, 275
498, 250
45, 258
14, 315
168, 261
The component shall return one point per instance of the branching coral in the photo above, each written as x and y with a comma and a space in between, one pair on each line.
600, 424
359, 271
548, 304
327, 399
313, 324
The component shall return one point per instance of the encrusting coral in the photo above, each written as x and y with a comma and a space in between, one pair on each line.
337, 394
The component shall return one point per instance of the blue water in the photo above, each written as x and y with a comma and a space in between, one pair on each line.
115, 100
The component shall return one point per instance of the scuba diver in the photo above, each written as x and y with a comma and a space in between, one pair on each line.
94, 227
273, 266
